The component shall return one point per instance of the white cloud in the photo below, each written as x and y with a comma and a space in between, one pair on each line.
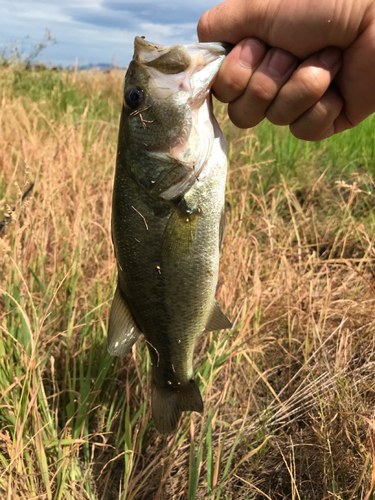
96, 31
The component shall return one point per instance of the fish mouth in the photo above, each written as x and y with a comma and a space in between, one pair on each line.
191, 68
183, 75
145, 51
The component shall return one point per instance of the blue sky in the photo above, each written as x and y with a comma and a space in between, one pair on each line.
97, 31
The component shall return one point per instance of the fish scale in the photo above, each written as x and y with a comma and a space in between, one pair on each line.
168, 218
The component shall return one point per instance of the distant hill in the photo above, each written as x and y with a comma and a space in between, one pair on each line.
100, 66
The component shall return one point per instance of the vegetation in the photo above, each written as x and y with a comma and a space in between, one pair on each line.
289, 393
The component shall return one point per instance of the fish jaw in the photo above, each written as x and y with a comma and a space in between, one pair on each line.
180, 68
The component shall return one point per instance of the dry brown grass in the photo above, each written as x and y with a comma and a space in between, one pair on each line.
293, 385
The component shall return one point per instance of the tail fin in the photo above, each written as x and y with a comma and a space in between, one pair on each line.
168, 404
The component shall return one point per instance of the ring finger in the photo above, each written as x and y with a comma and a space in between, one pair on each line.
306, 87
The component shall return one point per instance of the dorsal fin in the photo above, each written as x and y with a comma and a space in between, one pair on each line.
122, 330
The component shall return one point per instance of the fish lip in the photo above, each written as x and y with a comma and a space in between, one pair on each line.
200, 56
218, 48
143, 44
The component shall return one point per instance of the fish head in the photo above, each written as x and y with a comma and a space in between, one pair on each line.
164, 88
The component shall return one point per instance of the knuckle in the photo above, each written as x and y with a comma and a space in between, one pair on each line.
239, 116
260, 92
303, 134
236, 84
207, 25
202, 28
318, 122
328, 108
306, 134
228, 88
312, 82
337, 102
276, 117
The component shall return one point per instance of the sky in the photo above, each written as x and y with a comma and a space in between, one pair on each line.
96, 31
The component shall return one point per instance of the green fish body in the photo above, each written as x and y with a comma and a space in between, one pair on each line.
168, 218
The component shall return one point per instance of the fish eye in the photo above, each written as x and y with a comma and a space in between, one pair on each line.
134, 97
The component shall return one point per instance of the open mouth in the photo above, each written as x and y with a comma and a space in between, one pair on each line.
189, 68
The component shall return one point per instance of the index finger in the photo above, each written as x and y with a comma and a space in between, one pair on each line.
237, 68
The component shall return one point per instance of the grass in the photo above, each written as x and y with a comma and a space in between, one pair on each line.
289, 393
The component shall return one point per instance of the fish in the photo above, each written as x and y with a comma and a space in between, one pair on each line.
168, 218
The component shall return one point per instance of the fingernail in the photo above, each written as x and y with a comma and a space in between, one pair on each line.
329, 57
280, 62
251, 53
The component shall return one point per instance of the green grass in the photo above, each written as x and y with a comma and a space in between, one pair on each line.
344, 154
288, 392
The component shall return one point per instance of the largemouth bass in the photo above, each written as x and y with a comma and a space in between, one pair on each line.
168, 218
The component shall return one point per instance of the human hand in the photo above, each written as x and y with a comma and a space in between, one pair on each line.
322, 95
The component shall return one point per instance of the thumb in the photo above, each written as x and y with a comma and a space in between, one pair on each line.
300, 27
232, 21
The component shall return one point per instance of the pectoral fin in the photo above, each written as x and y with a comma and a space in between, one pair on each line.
217, 320
122, 330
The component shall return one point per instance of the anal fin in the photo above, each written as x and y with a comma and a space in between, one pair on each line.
217, 320
122, 330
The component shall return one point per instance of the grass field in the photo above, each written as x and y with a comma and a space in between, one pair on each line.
289, 393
